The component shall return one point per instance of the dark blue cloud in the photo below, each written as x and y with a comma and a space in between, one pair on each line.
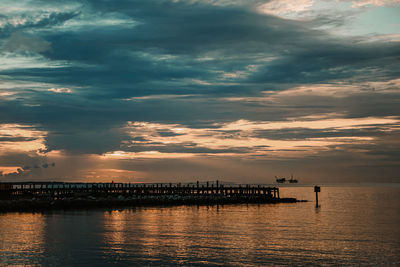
333, 61
163, 51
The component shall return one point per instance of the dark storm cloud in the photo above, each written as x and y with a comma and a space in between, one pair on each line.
130, 61
181, 28
333, 61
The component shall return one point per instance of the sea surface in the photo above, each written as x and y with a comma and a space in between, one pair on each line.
355, 225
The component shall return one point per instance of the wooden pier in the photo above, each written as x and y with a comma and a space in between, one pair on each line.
55, 189
55, 195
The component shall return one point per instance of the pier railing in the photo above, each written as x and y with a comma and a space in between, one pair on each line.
60, 190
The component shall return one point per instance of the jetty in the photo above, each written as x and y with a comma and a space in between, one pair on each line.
31, 196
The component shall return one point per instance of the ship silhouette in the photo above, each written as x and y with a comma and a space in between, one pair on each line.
282, 180
292, 181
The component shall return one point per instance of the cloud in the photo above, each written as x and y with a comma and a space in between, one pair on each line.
248, 138
363, 3
129, 86
19, 42
282, 7
25, 165
20, 19
60, 90
163, 54
24, 172
21, 138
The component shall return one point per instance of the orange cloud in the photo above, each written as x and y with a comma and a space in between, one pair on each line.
60, 90
21, 138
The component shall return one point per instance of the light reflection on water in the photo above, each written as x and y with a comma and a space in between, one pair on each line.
24, 237
353, 226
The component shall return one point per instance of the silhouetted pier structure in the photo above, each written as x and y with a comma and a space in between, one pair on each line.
32, 196
55, 189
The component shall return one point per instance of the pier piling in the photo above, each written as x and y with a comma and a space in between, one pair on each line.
317, 189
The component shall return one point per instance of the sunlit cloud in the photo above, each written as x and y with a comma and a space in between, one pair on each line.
105, 174
363, 3
284, 7
11, 7
383, 37
14, 61
21, 138
5, 94
335, 123
157, 97
4, 170
145, 155
333, 90
243, 136
60, 90
94, 20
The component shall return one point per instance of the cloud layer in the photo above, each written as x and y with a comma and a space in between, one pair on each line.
160, 89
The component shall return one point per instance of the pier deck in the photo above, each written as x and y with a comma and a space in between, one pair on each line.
46, 189
49, 195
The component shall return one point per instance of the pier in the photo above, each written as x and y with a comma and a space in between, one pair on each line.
48, 195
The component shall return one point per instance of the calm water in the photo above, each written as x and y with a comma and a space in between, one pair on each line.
356, 225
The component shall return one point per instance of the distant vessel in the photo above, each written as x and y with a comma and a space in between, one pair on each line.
291, 180
283, 180
280, 180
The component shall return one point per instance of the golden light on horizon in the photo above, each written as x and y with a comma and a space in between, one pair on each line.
22, 138
244, 135
9, 169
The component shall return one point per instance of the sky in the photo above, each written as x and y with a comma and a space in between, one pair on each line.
186, 90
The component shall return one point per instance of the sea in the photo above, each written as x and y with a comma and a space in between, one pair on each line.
354, 225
